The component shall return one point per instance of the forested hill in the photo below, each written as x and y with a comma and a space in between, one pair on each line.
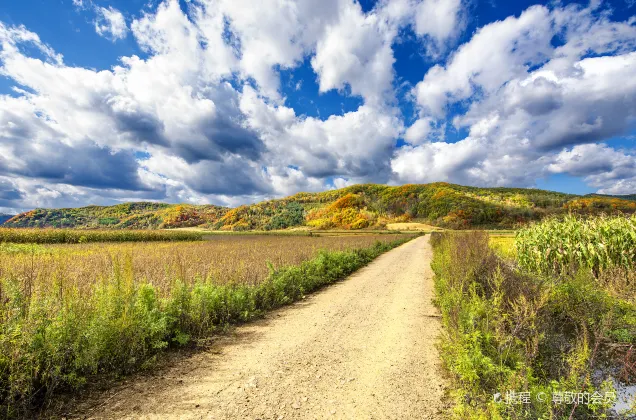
355, 207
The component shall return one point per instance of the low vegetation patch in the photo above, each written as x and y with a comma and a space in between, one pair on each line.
70, 312
75, 236
519, 343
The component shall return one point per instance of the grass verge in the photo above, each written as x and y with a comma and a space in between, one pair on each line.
515, 341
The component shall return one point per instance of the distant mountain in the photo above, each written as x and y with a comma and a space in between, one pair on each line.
5, 217
355, 207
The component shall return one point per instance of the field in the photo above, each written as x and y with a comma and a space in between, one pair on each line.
595, 243
69, 312
548, 313
77, 236
223, 259
416, 226
503, 245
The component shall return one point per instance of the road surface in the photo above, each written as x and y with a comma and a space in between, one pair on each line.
363, 348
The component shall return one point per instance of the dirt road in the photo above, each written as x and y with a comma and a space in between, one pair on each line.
360, 349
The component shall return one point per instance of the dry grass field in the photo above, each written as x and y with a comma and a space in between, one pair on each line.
222, 259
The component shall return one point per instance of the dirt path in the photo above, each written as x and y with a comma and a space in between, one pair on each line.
360, 349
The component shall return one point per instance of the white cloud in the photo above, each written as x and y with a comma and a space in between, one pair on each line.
441, 21
611, 171
528, 100
342, 183
424, 130
172, 103
177, 108
351, 48
110, 23
590, 159
437, 161
496, 54
357, 52
356, 144
202, 117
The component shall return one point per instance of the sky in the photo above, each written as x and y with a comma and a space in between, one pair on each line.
237, 101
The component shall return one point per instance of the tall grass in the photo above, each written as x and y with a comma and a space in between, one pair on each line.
222, 259
598, 243
60, 325
510, 330
74, 236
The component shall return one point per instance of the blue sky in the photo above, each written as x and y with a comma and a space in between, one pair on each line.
231, 101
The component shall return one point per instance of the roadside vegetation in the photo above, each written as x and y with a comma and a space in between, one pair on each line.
534, 321
77, 236
69, 313
368, 206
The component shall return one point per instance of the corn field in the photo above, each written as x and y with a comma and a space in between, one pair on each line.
598, 243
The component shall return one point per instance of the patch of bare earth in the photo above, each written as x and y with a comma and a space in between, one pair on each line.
363, 348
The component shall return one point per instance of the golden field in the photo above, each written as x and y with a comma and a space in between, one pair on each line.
223, 259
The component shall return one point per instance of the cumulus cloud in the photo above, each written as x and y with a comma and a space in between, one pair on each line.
277, 34
531, 104
611, 171
110, 23
174, 125
496, 54
424, 130
201, 115
356, 51
358, 143
352, 48
82, 128
440, 21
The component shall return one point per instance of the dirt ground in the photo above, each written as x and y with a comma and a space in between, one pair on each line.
363, 348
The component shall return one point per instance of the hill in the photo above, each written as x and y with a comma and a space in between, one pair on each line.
142, 215
631, 197
5, 217
355, 207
